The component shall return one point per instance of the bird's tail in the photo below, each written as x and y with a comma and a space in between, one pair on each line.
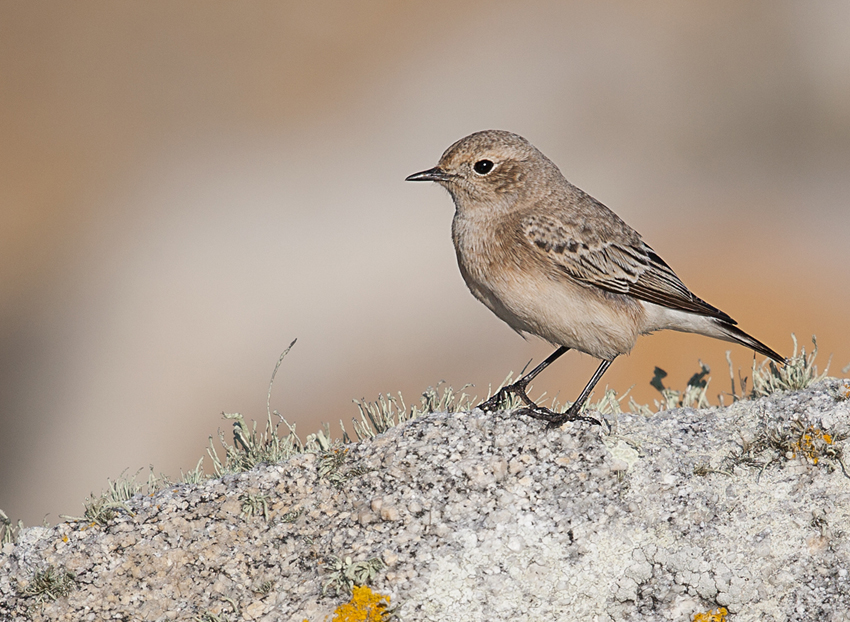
736, 335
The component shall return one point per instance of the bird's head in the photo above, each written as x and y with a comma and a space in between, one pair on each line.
489, 169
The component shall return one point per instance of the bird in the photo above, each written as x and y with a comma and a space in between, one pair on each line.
550, 260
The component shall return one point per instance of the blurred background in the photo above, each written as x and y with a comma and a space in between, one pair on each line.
185, 187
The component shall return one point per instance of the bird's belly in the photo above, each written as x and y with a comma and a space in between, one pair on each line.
560, 311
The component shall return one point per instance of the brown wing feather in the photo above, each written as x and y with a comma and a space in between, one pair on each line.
617, 261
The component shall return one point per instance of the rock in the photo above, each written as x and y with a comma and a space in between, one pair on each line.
490, 517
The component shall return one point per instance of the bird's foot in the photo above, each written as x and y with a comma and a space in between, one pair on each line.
495, 401
502, 395
533, 410
554, 419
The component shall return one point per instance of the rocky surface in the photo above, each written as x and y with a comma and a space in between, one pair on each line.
471, 516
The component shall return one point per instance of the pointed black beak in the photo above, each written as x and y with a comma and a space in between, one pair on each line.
432, 174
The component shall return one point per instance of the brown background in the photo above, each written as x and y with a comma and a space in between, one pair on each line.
187, 186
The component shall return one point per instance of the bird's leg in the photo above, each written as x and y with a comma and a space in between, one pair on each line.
540, 412
518, 387
573, 411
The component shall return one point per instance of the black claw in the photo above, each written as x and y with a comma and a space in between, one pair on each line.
531, 409
493, 403
556, 423
539, 412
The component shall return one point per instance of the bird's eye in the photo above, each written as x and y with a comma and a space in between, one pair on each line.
482, 167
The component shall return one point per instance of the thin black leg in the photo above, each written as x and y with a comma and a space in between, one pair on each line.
573, 411
549, 360
539, 412
518, 387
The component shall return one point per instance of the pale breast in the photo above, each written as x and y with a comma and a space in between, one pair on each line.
517, 284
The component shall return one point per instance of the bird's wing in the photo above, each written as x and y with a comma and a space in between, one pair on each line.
615, 260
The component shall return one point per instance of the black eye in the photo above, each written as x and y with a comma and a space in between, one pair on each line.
482, 167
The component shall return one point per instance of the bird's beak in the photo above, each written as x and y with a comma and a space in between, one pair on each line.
432, 174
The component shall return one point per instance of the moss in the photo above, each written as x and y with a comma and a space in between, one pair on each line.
798, 373
49, 584
346, 574
9, 533
255, 505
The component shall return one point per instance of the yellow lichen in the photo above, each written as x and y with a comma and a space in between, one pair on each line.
364, 606
715, 615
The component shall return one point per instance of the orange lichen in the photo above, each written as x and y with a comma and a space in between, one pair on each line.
364, 606
812, 442
715, 615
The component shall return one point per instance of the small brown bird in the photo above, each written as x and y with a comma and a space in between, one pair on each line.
552, 261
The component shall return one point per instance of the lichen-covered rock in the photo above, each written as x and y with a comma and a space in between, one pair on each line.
474, 516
